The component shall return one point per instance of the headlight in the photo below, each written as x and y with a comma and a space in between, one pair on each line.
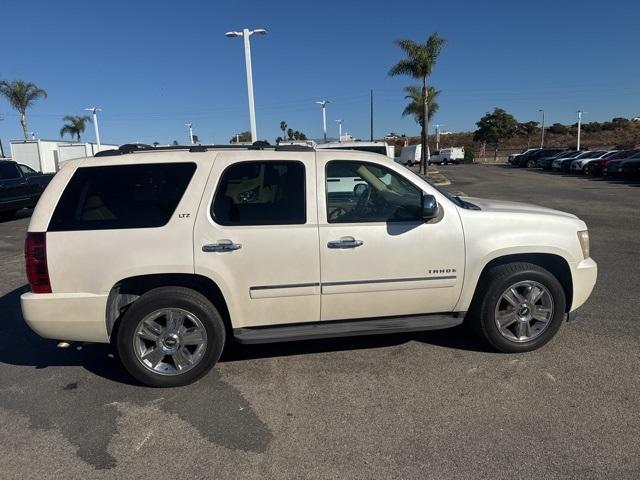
583, 237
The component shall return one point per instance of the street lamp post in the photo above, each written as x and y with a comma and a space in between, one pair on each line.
339, 122
94, 111
579, 126
190, 127
438, 125
542, 135
323, 104
245, 34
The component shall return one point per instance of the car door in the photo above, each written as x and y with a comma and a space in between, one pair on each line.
256, 236
378, 258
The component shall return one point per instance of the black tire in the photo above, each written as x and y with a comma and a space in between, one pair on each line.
531, 164
11, 214
491, 287
171, 297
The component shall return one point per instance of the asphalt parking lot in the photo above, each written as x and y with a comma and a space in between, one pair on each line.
432, 405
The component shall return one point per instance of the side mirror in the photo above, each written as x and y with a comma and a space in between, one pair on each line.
429, 207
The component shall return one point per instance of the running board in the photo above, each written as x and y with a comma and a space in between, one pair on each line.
347, 328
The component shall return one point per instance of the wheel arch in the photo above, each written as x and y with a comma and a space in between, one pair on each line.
555, 264
127, 290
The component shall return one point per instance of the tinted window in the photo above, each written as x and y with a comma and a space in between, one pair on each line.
366, 192
9, 171
27, 170
121, 196
261, 193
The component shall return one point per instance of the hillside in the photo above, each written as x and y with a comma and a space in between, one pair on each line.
623, 135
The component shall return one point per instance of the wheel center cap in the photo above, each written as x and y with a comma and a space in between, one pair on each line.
524, 311
170, 343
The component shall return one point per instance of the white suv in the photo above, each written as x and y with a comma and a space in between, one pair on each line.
170, 254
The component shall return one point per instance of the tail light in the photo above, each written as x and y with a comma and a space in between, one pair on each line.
35, 254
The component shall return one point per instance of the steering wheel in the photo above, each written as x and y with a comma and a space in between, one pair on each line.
363, 199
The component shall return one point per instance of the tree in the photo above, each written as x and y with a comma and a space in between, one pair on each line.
559, 129
75, 126
283, 127
496, 127
21, 96
418, 63
527, 129
415, 107
241, 137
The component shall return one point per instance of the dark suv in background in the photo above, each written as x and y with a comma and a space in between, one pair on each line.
530, 160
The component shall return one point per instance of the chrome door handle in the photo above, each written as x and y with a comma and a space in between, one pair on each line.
345, 242
221, 246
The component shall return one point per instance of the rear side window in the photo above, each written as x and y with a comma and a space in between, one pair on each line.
9, 171
121, 196
261, 193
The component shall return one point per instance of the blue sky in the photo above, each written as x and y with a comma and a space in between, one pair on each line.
152, 66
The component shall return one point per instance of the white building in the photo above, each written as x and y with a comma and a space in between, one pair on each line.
46, 155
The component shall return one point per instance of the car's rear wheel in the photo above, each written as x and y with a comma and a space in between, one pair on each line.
519, 309
170, 336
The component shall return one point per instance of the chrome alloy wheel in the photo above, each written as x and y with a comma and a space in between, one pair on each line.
524, 311
170, 341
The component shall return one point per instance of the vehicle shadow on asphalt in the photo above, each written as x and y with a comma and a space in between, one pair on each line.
24, 213
19, 345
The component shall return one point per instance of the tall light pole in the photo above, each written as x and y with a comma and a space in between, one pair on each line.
190, 127
323, 104
339, 122
245, 34
579, 126
438, 125
542, 135
94, 111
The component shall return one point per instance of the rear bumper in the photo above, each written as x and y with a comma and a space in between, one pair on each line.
584, 275
66, 316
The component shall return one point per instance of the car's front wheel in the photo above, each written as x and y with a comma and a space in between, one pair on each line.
531, 164
170, 336
520, 308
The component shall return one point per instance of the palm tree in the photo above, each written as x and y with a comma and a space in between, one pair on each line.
418, 63
283, 127
21, 95
75, 125
415, 107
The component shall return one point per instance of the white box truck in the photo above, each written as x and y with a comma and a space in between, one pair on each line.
410, 155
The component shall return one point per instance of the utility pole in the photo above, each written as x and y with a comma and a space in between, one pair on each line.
323, 104
542, 138
245, 34
94, 111
339, 122
371, 115
190, 127
579, 126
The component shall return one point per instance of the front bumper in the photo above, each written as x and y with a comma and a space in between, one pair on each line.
66, 316
584, 276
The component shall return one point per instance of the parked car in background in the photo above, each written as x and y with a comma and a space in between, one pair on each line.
579, 165
20, 187
545, 162
598, 167
620, 166
563, 164
511, 158
531, 160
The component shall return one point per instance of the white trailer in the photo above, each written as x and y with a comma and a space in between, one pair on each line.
46, 155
